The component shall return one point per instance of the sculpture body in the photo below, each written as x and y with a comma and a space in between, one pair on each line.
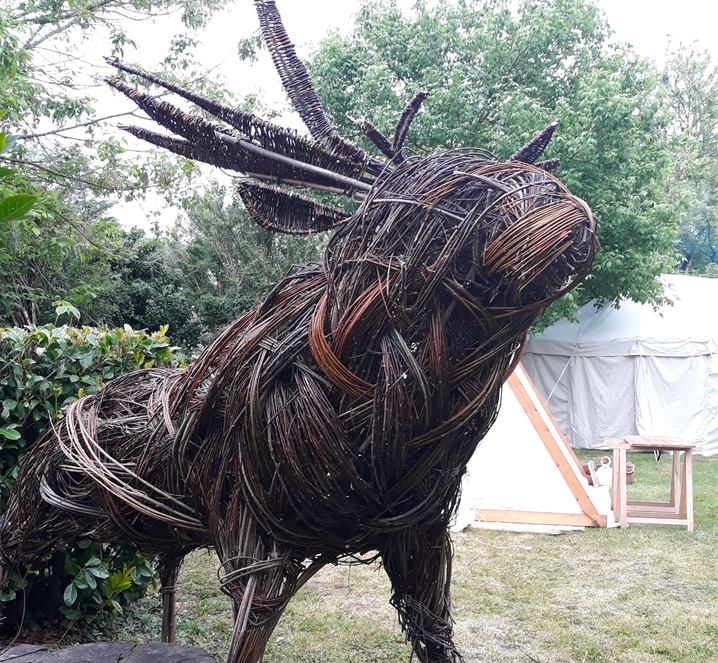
337, 417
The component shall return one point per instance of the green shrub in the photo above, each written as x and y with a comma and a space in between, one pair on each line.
43, 369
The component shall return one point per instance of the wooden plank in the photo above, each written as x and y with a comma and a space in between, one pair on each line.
665, 509
622, 485
675, 478
642, 510
612, 442
615, 494
539, 518
658, 442
656, 515
524, 528
682, 509
659, 521
557, 456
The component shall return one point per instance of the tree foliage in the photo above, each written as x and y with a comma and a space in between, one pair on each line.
691, 79
58, 151
54, 251
230, 263
495, 78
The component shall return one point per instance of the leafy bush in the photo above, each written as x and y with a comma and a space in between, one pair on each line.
43, 369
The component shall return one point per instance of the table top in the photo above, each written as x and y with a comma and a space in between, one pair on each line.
651, 442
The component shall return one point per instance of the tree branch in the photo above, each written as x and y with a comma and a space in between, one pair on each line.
30, 44
76, 126
74, 14
57, 173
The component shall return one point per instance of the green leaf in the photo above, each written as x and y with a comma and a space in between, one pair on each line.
70, 595
16, 207
5, 172
71, 566
10, 433
99, 572
90, 580
72, 615
8, 143
8, 594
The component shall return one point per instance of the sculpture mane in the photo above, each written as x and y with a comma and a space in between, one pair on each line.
337, 417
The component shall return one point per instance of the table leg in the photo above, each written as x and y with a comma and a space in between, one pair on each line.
688, 487
682, 505
675, 479
622, 483
616, 488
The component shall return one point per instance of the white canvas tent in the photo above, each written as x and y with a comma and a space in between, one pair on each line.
523, 472
633, 370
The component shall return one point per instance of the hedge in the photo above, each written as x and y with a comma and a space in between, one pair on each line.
43, 369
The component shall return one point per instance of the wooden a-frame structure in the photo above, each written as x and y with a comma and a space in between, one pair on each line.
524, 473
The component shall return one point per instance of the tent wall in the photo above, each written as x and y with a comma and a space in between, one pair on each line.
590, 398
633, 370
511, 463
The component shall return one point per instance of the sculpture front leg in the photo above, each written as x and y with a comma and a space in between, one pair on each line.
260, 576
418, 563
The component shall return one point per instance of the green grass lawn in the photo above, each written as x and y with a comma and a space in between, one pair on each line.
641, 595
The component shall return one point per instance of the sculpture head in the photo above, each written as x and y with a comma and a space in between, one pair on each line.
505, 232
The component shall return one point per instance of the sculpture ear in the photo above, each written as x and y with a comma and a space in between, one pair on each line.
536, 146
284, 211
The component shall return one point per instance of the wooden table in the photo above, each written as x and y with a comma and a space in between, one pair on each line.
679, 510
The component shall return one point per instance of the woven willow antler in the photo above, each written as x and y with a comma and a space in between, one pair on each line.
337, 417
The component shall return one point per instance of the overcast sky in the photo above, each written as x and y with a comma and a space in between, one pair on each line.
647, 24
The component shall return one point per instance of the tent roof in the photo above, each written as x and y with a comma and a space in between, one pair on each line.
687, 328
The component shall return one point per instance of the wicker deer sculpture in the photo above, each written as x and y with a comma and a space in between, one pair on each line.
335, 420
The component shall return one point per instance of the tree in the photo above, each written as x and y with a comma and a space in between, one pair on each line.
495, 78
691, 80
228, 261
58, 250
212, 267
60, 154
